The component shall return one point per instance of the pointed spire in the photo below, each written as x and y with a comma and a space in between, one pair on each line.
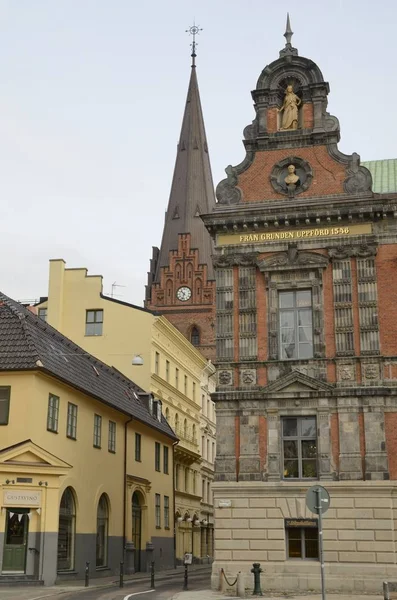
288, 50
192, 188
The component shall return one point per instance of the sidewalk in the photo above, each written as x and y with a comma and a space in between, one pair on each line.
41, 592
210, 595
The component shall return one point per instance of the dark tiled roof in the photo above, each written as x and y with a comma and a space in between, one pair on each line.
192, 189
28, 342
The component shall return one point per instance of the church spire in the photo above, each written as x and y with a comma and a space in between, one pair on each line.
192, 189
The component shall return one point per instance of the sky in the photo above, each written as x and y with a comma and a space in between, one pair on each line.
91, 101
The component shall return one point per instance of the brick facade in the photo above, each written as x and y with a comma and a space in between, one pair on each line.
326, 242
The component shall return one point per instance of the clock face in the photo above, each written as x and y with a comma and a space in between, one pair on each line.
184, 293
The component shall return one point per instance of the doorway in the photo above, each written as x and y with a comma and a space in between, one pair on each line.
16, 540
137, 530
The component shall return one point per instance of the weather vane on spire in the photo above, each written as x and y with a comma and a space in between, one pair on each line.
288, 50
193, 31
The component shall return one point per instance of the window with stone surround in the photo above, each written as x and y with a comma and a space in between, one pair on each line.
295, 324
247, 313
368, 306
299, 447
302, 542
224, 318
342, 285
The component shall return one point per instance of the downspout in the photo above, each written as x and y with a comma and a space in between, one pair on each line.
173, 497
125, 489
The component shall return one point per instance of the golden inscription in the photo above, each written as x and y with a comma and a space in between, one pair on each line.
295, 234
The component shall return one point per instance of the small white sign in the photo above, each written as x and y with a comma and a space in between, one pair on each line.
225, 503
22, 498
188, 558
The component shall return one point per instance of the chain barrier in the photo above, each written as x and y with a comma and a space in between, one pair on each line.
226, 579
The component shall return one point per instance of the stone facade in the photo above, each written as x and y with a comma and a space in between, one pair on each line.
306, 349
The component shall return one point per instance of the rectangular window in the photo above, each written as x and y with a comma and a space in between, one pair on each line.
302, 542
165, 459
185, 386
53, 413
42, 313
157, 363
157, 452
112, 437
299, 448
158, 510
368, 306
166, 512
194, 391
296, 329
224, 314
94, 322
167, 370
71, 425
343, 307
138, 441
97, 431
5, 392
247, 313
177, 378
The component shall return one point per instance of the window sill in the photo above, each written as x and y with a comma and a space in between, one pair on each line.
112, 451
102, 568
97, 447
67, 572
70, 437
138, 460
52, 430
158, 526
167, 528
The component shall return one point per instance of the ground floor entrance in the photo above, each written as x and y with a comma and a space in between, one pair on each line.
15, 540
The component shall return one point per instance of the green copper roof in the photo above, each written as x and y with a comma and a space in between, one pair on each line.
384, 175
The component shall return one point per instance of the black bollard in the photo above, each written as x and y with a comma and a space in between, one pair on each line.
256, 570
152, 575
87, 574
121, 574
185, 578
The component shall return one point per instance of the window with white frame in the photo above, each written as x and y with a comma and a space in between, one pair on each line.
295, 321
299, 447
71, 424
53, 413
112, 437
158, 510
97, 431
94, 322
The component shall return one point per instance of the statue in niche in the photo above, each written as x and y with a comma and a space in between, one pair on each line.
292, 180
289, 109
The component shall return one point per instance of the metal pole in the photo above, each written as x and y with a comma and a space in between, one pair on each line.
320, 533
152, 576
121, 574
185, 578
87, 574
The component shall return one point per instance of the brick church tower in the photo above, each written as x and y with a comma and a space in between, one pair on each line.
305, 261
181, 278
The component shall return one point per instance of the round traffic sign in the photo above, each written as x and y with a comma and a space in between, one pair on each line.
316, 494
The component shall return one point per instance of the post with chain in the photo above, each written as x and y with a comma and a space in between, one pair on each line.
87, 574
152, 575
256, 570
121, 574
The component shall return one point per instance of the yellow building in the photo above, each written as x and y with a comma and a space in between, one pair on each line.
167, 365
86, 460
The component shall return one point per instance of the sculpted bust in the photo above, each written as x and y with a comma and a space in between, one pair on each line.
292, 177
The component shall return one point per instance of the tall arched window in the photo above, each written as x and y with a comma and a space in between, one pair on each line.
194, 433
167, 414
185, 428
176, 422
195, 336
102, 532
66, 531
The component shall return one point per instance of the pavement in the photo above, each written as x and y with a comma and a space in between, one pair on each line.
210, 595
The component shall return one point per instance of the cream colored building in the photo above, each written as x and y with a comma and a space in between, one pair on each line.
86, 460
172, 370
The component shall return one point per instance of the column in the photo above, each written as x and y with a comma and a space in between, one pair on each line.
273, 445
376, 465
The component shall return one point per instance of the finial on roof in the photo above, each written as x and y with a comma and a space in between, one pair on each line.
193, 31
288, 50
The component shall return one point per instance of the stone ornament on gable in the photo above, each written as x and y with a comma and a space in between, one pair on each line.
228, 260
345, 372
291, 176
292, 259
371, 371
248, 376
225, 377
361, 250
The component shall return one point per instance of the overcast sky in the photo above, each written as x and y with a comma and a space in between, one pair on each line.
91, 100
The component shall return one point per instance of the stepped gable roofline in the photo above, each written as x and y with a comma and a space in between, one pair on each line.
29, 343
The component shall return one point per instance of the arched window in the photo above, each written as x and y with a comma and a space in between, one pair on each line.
186, 479
167, 414
195, 336
194, 433
102, 532
185, 428
177, 477
176, 422
66, 531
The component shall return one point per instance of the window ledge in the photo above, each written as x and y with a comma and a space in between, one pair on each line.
102, 568
67, 572
112, 451
158, 526
70, 437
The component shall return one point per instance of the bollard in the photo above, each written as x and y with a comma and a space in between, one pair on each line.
121, 574
87, 574
240, 585
386, 595
185, 580
256, 570
152, 575
222, 582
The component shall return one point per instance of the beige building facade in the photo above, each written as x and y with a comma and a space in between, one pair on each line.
168, 366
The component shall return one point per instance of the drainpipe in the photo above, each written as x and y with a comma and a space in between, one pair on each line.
173, 498
125, 488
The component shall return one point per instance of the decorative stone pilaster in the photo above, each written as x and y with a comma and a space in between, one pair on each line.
376, 465
273, 447
226, 441
129, 568
249, 445
350, 460
324, 445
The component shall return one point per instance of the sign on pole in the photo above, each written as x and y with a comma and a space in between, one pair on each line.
318, 502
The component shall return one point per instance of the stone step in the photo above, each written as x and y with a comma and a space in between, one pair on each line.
19, 579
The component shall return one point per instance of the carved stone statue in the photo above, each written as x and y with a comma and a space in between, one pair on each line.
290, 109
292, 180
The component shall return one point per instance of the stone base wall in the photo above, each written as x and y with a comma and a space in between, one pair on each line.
359, 535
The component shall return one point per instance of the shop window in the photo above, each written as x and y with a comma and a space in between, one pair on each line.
299, 448
102, 532
296, 329
66, 531
302, 542
53, 413
71, 424
5, 392
94, 322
